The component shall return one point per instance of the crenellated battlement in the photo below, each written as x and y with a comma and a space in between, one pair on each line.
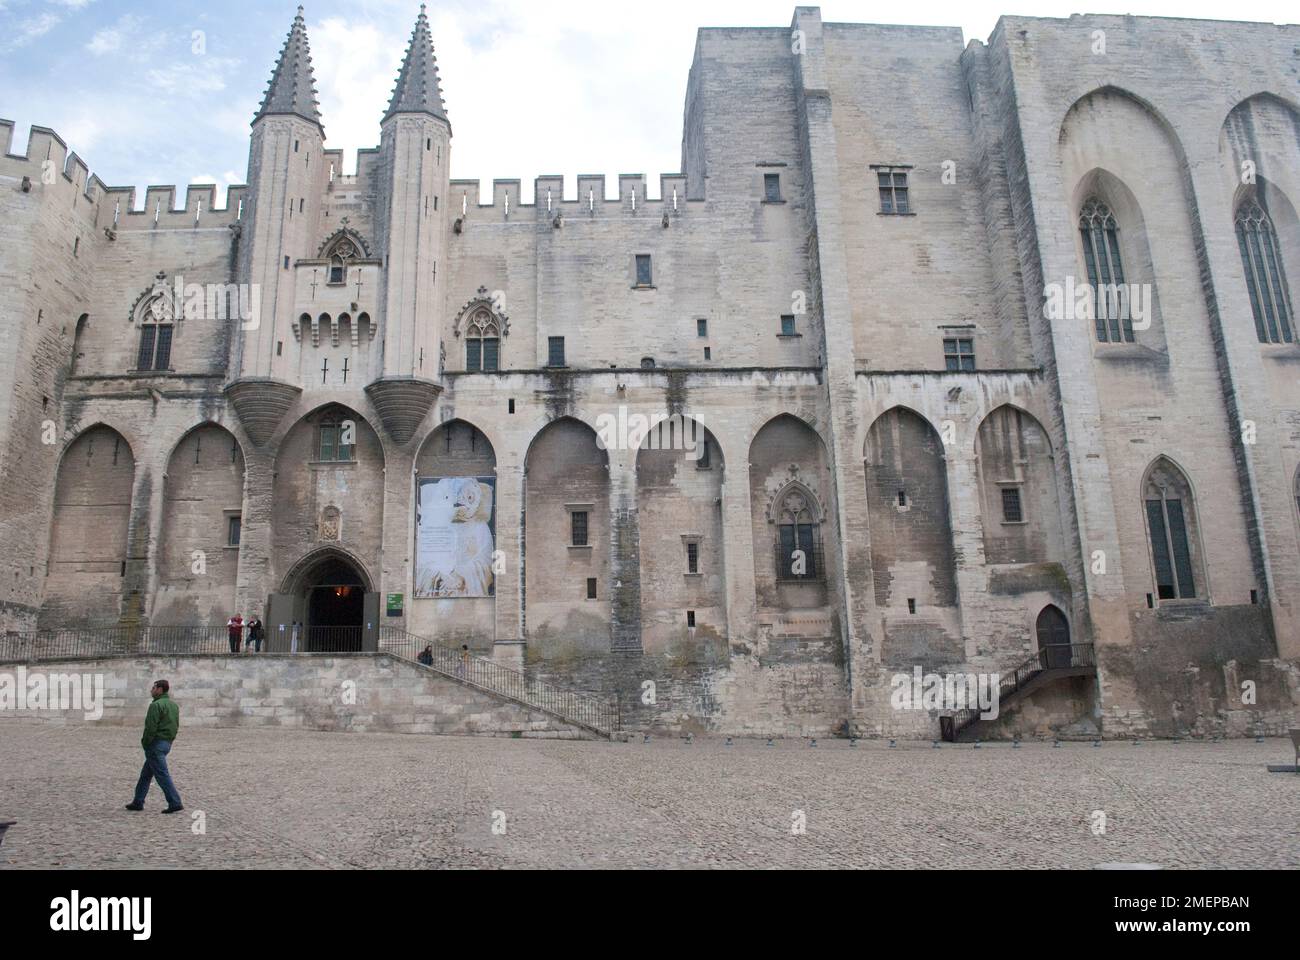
117, 208
47, 158
49, 162
632, 198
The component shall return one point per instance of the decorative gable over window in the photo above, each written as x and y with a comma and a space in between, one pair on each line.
483, 325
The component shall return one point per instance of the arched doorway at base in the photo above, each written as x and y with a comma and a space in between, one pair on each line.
1053, 630
327, 604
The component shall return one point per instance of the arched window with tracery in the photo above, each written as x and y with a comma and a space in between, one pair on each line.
154, 351
482, 343
1261, 259
340, 253
798, 536
1171, 528
1101, 256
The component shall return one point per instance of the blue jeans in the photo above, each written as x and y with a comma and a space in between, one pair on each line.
155, 768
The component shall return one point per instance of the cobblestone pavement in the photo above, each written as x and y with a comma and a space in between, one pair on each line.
295, 799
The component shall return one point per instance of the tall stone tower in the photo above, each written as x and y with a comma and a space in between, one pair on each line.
415, 143
286, 178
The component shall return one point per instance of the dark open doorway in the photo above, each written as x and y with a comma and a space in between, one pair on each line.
335, 607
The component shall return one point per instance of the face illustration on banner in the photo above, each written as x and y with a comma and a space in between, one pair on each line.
454, 538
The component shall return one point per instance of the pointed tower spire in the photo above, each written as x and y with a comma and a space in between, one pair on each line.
293, 87
417, 89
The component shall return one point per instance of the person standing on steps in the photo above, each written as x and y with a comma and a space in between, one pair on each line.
256, 633
161, 724
234, 627
463, 670
426, 656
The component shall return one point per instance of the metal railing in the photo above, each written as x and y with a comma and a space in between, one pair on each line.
596, 713
599, 714
79, 642
1051, 657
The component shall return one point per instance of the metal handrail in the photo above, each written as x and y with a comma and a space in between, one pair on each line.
1009, 684
597, 713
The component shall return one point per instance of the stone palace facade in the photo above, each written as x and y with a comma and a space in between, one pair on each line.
835, 403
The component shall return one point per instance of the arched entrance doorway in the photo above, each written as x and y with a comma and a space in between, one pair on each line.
327, 605
1054, 638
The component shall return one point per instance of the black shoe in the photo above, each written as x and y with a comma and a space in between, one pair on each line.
173, 810
137, 807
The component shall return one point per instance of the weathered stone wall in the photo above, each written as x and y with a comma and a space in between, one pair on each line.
348, 694
1032, 123
197, 565
90, 539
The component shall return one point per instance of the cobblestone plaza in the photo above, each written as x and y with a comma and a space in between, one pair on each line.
290, 799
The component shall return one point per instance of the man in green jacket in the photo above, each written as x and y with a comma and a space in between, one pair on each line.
161, 724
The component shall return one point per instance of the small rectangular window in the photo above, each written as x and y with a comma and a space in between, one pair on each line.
555, 351
772, 187
1011, 510
510, 406
692, 557
893, 191
578, 519
708, 353
643, 273
959, 353
286, 263
787, 325
902, 498
233, 530
911, 604
701, 327
690, 618
591, 588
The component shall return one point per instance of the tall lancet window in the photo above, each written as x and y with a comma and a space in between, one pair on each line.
1261, 259
1100, 235
1171, 524
482, 343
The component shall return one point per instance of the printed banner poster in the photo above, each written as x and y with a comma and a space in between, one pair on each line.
455, 536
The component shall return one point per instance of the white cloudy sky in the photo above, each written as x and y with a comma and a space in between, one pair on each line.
532, 86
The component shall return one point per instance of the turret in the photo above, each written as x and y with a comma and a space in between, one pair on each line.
416, 146
286, 180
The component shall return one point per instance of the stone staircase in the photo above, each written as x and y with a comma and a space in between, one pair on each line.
1051, 664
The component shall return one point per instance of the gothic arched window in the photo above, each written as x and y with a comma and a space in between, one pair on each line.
1171, 521
340, 253
482, 343
1261, 259
1100, 234
155, 352
798, 536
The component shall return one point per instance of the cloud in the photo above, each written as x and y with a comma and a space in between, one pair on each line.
200, 75
109, 40
33, 28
